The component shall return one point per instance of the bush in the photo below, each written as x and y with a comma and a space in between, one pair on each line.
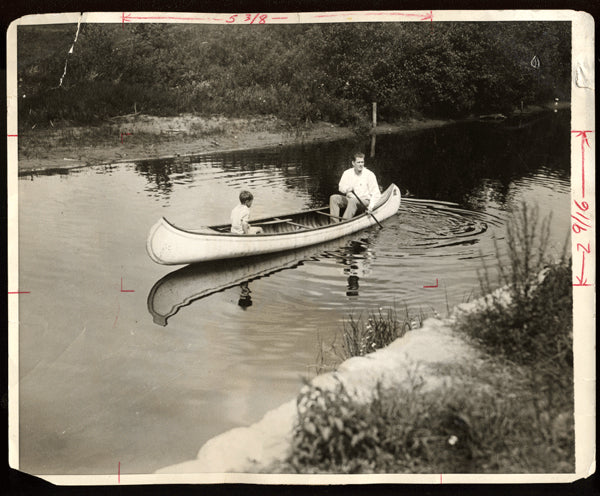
300, 73
490, 426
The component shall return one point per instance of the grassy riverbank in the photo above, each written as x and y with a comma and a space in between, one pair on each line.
508, 411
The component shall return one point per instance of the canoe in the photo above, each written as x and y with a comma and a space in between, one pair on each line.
168, 244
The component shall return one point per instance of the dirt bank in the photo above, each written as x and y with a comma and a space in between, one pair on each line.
139, 137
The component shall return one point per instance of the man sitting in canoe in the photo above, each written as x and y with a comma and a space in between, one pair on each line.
240, 216
356, 183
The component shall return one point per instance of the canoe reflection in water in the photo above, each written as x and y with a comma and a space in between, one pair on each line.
193, 282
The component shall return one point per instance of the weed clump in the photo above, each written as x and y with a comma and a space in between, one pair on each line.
380, 329
360, 336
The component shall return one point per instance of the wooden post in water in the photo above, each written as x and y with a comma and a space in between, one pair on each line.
374, 115
373, 132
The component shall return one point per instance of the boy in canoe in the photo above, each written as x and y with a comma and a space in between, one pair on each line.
359, 189
240, 216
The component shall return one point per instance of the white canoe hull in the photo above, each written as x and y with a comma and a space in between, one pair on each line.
170, 245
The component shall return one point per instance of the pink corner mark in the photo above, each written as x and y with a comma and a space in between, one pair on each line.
436, 285
126, 290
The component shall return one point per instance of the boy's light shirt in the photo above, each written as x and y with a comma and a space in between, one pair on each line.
239, 215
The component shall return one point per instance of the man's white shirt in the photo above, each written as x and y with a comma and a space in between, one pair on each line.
364, 185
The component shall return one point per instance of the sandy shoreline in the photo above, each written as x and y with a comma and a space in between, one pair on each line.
142, 137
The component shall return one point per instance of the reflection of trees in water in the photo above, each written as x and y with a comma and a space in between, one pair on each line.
467, 163
158, 172
462, 162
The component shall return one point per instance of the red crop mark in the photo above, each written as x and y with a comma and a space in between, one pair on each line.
19, 292
12, 135
436, 285
126, 290
440, 478
584, 143
119, 472
125, 134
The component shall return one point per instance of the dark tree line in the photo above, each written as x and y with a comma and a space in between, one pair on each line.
300, 73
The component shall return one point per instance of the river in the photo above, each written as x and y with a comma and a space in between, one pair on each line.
117, 371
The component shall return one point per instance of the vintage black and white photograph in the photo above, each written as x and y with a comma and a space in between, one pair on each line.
338, 244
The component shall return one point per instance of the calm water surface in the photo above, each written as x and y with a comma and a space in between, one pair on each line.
103, 383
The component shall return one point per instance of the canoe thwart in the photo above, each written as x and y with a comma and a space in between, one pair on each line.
329, 215
275, 221
298, 225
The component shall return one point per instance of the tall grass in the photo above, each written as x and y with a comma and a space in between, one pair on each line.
360, 336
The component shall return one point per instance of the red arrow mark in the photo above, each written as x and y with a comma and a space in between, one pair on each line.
428, 17
422, 17
436, 285
582, 281
128, 18
126, 290
584, 142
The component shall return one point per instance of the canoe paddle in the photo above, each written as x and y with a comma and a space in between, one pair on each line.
365, 207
